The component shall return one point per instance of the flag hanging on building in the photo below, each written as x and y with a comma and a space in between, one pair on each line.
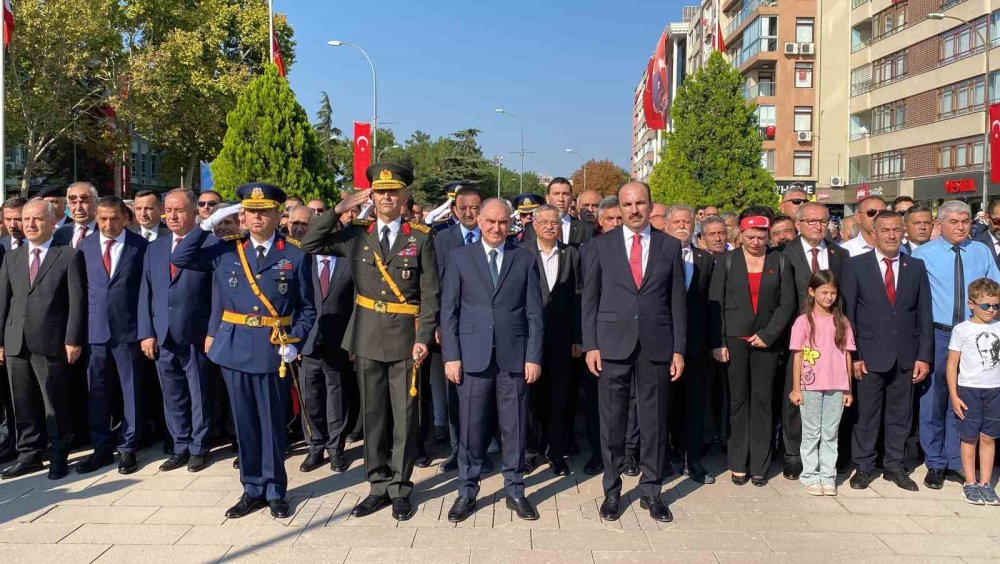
362, 153
276, 54
718, 44
8, 23
654, 119
994, 142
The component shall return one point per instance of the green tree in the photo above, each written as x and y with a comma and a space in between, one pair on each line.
271, 140
713, 154
604, 176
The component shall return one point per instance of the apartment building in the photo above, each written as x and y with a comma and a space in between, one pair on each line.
919, 86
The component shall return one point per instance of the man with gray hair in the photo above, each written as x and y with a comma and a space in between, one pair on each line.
82, 200
953, 261
299, 219
609, 215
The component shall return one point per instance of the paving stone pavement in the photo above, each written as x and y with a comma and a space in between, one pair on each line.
177, 517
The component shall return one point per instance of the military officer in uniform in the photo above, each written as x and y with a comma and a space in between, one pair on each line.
264, 286
395, 314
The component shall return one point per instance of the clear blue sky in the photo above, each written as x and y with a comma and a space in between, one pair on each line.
567, 69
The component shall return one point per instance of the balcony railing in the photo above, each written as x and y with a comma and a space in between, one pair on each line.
758, 90
856, 3
861, 87
748, 9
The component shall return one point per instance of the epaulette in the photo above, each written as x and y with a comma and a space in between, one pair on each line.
293, 241
420, 227
232, 237
361, 222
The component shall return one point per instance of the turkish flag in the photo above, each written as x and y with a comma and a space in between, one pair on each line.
994, 142
654, 119
276, 53
8, 23
362, 153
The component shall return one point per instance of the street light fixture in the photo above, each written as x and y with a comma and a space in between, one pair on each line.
986, 101
374, 88
584, 167
378, 159
498, 159
504, 112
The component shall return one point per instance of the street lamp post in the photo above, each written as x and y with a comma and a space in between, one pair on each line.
374, 89
504, 112
498, 159
378, 159
986, 101
584, 167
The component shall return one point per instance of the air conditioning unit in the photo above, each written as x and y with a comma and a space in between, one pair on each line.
836, 181
791, 48
804, 136
807, 48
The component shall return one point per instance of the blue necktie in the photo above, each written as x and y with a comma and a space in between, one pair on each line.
470, 238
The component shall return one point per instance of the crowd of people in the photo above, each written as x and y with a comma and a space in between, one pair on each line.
484, 326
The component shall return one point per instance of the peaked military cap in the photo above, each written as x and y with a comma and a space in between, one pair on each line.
389, 176
260, 196
527, 203
57, 191
452, 189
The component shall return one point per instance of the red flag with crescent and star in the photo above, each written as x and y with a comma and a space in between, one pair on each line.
8, 23
994, 142
362, 153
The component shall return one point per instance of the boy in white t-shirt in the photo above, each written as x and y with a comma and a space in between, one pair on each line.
973, 376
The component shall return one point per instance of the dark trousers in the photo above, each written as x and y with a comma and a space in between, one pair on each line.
390, 416
509, 393
883, 398
183, 371
329, 400
550, 413
105, 360
652, 385
591, 411
258, 403
8, 438
791, 422
688, 401
41, 399
938, 435
751, 394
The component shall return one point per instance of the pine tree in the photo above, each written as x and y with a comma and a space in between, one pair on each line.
269, 139
712, 156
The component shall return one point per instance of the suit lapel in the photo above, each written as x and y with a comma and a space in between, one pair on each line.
508, 257
903, 285
574, 231
768, 277
271, 257
51, 256
397, 245
655, 245
128, 251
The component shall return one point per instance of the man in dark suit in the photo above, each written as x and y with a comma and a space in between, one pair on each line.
148, 211
634, 314
174, 307
574, 232
114, 258
82, 201
990, 237
43, 313
491, 338
551, 413
689, 395
807, 253
12, 222
330, 395
887, 299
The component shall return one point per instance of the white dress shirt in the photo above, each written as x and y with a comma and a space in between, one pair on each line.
895, 267
822, 257
499, 250
148, 234
393, 230
996, 243
267, 245
116, 248
643, 242
550, 264
319, 265
687, 256
91, 227
44, 247
857, 246
566, 220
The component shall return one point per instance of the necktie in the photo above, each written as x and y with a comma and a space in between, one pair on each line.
815, 260
688, 267
890, 280
958, 308
107, 255
148, 235
33, 267
385, 242
324, 277
494, 271
635, 259
261, 251
470, 238
80, 234
173, 269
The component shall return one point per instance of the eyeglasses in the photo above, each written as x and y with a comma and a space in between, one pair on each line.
207, 204
814, 222
796, 201
873, 212
318, 210
987, 307
547, 223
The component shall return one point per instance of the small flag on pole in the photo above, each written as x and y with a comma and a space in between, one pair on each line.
8, 23
276, 55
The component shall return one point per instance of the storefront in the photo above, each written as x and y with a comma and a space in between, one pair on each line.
834, 199
966, 186
782, 186
888, 190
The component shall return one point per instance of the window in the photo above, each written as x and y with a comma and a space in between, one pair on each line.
802, 163
803, 75
804, 30
803, 118
760, 35
861, 80
888, 165
765, 115
994, 28
889, 117
767, 159
962, 41
961, 97
889, 21
889, 69
962, 154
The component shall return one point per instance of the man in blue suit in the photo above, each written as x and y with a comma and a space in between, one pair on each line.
264, 285
114, 257
491, 340
174, 307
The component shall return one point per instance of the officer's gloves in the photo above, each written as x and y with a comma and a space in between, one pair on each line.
288, 353
218, 215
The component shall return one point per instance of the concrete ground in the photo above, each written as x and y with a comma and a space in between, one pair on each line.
176, 517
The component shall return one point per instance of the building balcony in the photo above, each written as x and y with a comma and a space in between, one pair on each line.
746, 14
758, 90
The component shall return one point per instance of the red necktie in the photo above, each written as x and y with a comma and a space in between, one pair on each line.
324, 277
890, 280
173, 269
80, 234
815, 261
107, 255
635, 259
33, 267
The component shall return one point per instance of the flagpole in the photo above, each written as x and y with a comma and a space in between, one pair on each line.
270, 29
3, 136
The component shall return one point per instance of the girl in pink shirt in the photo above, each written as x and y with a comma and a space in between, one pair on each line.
821, 371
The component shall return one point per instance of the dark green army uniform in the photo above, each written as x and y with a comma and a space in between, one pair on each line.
383, 330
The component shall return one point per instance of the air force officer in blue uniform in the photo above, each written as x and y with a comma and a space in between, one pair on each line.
258, 333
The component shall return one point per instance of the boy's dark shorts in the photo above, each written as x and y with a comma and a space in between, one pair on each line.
983, 415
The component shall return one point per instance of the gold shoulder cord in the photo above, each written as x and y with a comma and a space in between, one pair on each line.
399, 296
278, 334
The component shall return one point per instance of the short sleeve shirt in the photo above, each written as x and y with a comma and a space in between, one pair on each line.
979, 344
824, 366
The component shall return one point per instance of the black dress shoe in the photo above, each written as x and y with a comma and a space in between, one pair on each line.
657, 509
523, 508
462, 509
313, 461
699, 473
860, 480
901, 479
402, 509
630, 467
95, 462
236, 463
354, 437
245, 506
934, 479
174, 462
740, 480
370, 505
422, 461
338, 463
58, 469
956, 476
758, 481
611, 507
791, 470
450, 465
127, 464
197, 462
20, 469
559, 467
594, 466
279, 508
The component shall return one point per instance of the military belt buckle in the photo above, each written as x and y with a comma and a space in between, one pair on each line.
381, 307
254, 321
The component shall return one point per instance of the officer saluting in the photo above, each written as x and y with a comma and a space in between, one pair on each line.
264, 285
396, 280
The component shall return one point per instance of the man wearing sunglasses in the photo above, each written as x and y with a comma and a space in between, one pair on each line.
991, 237
792, 199
207, 202
865, 217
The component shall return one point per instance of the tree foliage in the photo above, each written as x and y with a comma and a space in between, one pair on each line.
604, 176
269, 139
712, 156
